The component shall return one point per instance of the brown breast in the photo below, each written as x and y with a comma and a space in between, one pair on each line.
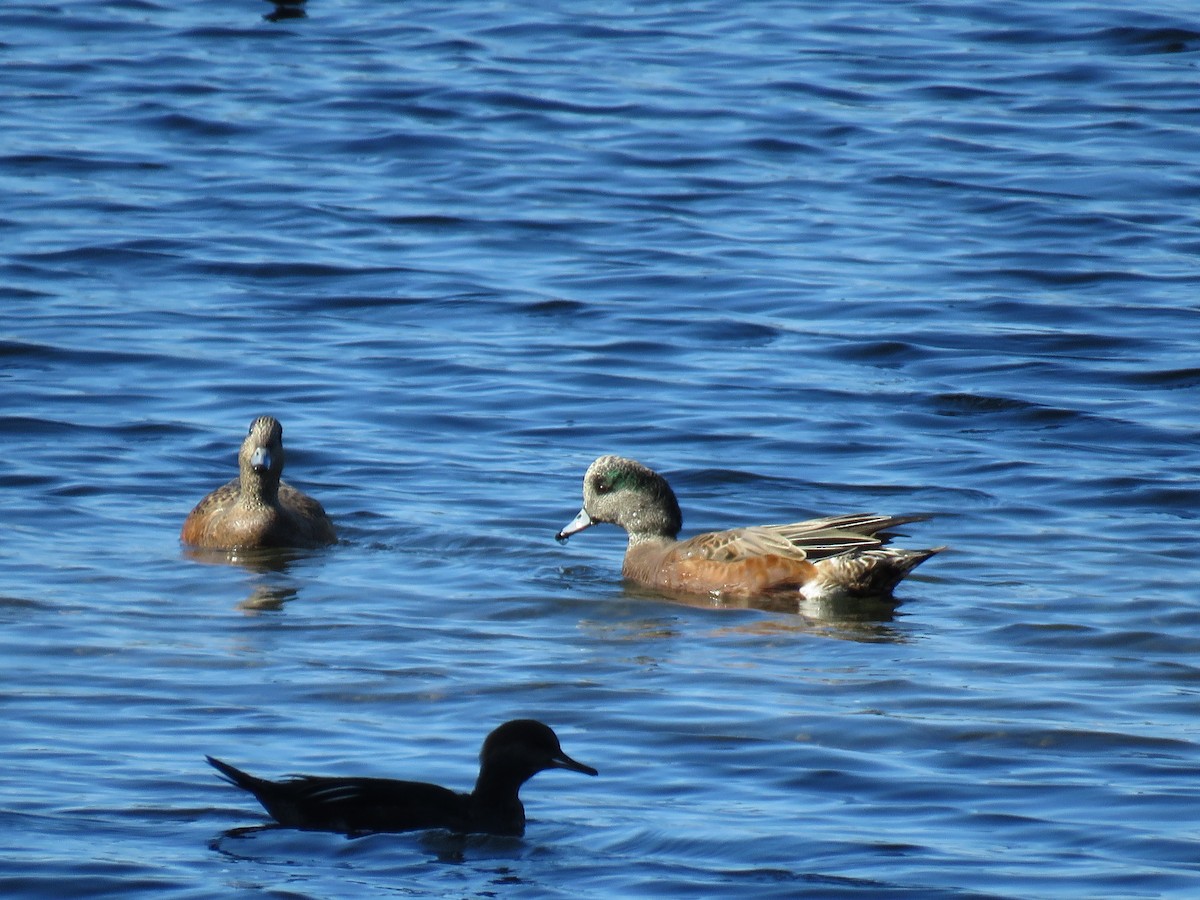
670, 569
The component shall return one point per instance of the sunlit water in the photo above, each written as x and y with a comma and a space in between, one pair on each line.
801, 258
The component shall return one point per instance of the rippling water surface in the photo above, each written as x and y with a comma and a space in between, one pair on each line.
802, 258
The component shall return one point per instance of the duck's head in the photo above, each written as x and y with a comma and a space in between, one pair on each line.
522, 748
625, 493
261, 456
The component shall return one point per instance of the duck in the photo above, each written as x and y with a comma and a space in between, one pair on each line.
511, 755
258, 510
831, 558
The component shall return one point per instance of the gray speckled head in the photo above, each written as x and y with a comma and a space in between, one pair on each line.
260, 461
627, 494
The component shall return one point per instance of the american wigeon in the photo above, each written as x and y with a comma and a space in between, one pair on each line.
837, 556
257, 510
511, 755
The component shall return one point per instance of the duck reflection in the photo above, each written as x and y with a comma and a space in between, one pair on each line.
286, 9
268, 598
272, 841
260, 562
845, 618
266, 595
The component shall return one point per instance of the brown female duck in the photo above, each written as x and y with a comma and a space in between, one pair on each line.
257, 510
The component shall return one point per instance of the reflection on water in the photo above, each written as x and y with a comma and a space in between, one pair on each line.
862, 619
864, 625
266, 595
286, 9
268, 598
272, 843
260, 561
221, 843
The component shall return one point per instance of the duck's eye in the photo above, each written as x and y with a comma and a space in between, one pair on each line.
603, 486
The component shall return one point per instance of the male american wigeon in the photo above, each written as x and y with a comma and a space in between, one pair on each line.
257, 510
833, 557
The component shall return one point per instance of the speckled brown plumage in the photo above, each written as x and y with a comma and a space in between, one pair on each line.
257, 510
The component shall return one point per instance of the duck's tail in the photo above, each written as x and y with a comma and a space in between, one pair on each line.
865, 573
235, 776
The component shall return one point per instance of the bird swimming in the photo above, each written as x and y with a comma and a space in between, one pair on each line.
511, 755
258, 510
834, 557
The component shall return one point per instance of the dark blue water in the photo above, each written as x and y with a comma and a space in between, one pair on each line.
802, 258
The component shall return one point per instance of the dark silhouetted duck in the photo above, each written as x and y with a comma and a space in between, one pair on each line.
257, 510
511, 755
838, 556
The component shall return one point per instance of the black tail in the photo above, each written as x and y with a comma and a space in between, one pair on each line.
235, 776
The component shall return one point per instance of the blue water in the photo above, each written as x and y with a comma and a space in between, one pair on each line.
802, 258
